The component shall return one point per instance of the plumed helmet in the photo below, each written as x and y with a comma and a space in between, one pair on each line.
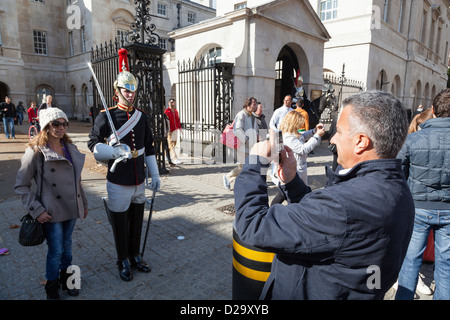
125, 79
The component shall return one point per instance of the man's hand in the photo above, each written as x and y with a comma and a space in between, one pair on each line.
262, 149
268, 148
287, 169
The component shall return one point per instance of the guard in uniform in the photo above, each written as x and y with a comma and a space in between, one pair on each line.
131, 157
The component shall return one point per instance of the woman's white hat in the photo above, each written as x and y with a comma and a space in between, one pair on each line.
50, 114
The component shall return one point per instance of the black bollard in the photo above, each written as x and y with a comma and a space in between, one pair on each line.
251, 268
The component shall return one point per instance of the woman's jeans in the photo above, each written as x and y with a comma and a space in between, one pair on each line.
59, 241
425, 221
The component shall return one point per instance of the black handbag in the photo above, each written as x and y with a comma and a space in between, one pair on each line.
32, 232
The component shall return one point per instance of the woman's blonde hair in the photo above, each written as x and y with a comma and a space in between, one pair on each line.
41, 139
419, 119
292, 122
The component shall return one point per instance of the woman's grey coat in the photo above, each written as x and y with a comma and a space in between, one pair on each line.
62, 194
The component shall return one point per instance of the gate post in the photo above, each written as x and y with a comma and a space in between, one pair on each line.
146, 64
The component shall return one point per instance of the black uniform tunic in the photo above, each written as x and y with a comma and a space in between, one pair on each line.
131, 172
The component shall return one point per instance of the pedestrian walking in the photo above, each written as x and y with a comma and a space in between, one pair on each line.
260, 118
425, 164
9, 116
246, 130
127, 136
344, 241
20, 110
53, 160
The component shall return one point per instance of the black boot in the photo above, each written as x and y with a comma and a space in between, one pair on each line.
136, 217
52, 289
63, 277
125, 269
119, 223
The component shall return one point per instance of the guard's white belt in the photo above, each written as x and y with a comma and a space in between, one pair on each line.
137, 153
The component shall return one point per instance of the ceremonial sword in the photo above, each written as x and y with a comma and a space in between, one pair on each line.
100, 92
124, 147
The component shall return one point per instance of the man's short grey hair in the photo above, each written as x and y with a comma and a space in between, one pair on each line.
380, 116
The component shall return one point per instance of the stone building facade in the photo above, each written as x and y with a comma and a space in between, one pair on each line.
267, 42
45, 44
399, 46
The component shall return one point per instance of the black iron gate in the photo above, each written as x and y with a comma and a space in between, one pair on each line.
146, 64
204, 100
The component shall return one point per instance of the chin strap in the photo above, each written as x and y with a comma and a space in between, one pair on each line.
126, 103
152, 169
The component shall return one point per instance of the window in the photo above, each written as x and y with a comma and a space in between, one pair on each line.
162, 9
328, 9
279, 70
40, 42
438, 40
191, 17
122, 35
424, 26
215, 55
71, 43
386, 10
446, 54
41, 1
240, 5
163, 43
83, 39
42, 93
401, 16
433, 26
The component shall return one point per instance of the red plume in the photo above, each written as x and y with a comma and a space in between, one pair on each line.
123, 60
296, 78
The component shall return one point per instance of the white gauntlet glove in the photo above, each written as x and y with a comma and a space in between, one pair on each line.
153, 171
119, 152
105, 152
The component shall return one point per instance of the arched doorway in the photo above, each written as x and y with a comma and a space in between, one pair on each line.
4, 91
291, 60
286, 71
42, 92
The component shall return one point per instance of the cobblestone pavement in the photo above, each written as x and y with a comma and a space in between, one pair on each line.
189, 246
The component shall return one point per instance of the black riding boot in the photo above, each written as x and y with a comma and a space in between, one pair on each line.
136, 216
119, 223
63, 277
52, 289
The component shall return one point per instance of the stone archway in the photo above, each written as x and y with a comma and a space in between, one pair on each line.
4, 91
290, 60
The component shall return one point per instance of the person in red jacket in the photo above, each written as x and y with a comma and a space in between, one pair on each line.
32, 115
174, 129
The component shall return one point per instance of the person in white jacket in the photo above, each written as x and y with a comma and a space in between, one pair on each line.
301, 143
246, 130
